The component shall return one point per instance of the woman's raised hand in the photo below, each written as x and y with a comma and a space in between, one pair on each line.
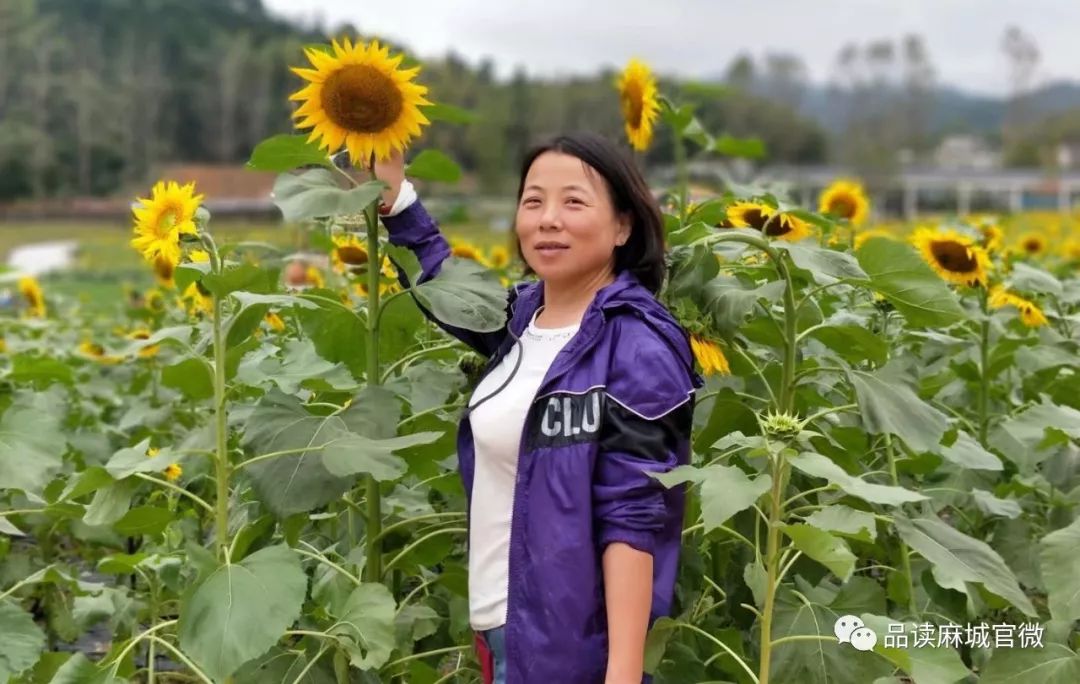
392, 172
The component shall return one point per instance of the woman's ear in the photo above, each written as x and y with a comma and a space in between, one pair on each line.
622, 233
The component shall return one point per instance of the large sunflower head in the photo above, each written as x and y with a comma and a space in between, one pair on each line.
845, 199
33, 296
349, 251
640, 106
742, 214
954, 257
357, 96
788, 227
162, 218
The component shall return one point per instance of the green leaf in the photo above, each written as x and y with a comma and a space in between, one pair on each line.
830, 551
888, 407
357, 454
191, 377
931, 664
656, 642
730, 304
819, 661
110, 503
846, 521
992, 505
962, 557
189, 273
32, 442
143, 520
906, 281
853, 343
466, 295
244, 276
297, 482
366, 626
23, 640
285, 153
247, 299
241, 610
339, 334
750, 148
316, 193
725, 490
968, 453
1030, 279
127, 462
78, 669
824, 266
817, 465
1052, 664
448, 113
1057, 554
433, 165
300, 366
39, 371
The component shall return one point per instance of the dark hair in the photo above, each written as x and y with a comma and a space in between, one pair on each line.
643, 253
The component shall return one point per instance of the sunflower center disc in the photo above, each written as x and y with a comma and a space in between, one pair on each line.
843, 207
953, 257
362, 99
632, 104
352, 255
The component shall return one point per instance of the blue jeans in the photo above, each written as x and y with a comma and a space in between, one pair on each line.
496, 641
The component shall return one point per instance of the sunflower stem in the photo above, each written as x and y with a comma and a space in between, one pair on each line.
373, 529
984, 368
772, 561
221, 453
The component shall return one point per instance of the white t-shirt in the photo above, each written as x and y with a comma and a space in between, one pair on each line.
497, 426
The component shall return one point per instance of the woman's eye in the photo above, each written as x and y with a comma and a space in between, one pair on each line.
531, 202
574, 200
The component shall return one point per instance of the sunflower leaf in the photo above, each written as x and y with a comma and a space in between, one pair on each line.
32, 442
465, 294
825, 266
908, 283
448, 113
750, 148
23, 640
433, 165
1030, 279
316, 193
285, 153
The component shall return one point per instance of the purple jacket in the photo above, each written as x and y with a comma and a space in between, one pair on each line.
616, 404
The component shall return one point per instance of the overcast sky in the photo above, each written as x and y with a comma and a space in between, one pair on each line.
697, 38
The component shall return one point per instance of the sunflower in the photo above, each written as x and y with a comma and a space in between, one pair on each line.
164, 271
349, 251
357, 96
387, 271
992, 237
1030, 313
173, 472
155, 301
710, 357
30, 290
144, 334
499, 256
1032, 243
162, 219
1071, 249
197, 299
743, 214
640, 105
955, 257
466, 250
274, 321
788, 227
94, 351
845, 199
315, 277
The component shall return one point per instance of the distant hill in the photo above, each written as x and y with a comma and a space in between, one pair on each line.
953, 109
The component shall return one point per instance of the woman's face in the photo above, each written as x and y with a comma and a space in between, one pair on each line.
566, 223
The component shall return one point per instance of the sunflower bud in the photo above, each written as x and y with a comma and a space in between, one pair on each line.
781, 425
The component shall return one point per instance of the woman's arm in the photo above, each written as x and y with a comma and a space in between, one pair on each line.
628, 586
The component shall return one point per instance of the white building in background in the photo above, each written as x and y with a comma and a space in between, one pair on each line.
42, 257
966, 153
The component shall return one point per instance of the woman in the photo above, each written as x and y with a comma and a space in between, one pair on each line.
573, 546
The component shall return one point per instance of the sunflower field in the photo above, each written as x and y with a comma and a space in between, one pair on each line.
248, 474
